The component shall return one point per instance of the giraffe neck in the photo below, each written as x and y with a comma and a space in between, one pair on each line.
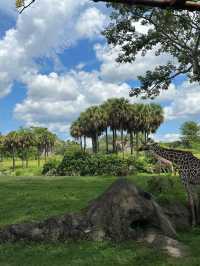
170, 155
161, 159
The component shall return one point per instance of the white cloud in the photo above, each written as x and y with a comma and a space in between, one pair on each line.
55, 101
168, 137
117, 72
90, 23
186, 102
42, 30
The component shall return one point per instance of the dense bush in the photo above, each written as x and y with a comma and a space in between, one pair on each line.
144, 164
159, 185
50, 167
83, 164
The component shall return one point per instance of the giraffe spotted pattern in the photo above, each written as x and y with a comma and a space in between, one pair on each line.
189, 169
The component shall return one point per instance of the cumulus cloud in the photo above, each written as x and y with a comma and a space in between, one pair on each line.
90, 23
43, 30
185, 103
168, 137
115, 72
55, 101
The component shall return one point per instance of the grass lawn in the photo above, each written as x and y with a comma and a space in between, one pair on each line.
32, 170
35, 198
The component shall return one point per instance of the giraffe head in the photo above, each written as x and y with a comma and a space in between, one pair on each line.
149, 145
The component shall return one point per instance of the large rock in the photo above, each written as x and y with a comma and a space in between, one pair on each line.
169, 245
178, 214
122, 212
125, 212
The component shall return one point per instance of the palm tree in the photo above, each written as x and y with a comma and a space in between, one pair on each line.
117, 112
76, 131
26, 141
1, 147
93, 124
157, 117
11, 143
131, 123
151, 118
44, 141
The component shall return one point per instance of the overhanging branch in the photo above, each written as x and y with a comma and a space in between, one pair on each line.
26, 6
174, 4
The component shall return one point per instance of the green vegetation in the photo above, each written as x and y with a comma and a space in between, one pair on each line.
190, 132
179, 37
26, 199
118, 116
27, 143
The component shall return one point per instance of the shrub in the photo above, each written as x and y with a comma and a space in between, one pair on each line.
159, 185
82, 164
50, 167
144, 164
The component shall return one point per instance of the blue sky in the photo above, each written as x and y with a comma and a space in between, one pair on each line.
54, 63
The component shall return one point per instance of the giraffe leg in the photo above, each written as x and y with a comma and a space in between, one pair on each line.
196, 202
197, 207
192, 206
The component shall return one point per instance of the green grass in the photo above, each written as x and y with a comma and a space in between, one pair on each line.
35, 198
32, 170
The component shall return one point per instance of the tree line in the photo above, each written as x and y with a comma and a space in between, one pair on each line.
27, 142
118, 116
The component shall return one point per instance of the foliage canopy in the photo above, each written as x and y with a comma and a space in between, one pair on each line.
175, 33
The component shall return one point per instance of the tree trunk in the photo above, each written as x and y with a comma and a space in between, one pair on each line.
137, 143
131, 142
122, 141
38, 157
85, 144
13, 158
93, 144
26, 162
106, 140
96, 142
45, 153
47, 150
27, 159
115, 140
81, 143
113, 132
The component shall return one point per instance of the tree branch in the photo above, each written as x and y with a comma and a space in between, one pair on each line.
174, 4
26, 6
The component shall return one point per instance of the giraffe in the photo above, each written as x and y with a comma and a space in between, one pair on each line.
163, 161
189, 170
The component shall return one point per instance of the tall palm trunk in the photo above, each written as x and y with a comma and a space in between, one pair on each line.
81, 143
22, 162
122, 141
113, 131
45, 155
116, 140
131, 142
94, 143
85, 144
26, 158
13, 158
137, 143
38, 156
107, 140
146, 136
